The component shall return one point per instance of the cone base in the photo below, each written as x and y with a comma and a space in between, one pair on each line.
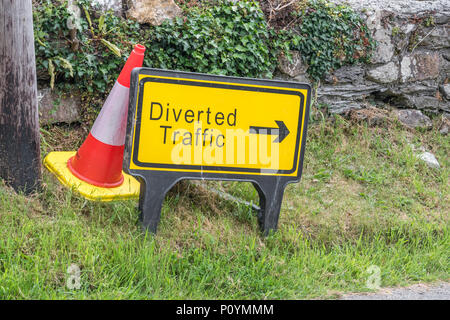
90, 181
56, 162
98, 163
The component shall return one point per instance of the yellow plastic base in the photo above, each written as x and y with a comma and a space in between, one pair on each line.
56, 162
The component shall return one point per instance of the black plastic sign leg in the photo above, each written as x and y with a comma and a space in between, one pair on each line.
155, 187
153, 192
270, 198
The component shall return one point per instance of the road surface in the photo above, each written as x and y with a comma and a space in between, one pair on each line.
435, 291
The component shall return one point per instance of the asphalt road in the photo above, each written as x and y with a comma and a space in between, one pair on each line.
436, 291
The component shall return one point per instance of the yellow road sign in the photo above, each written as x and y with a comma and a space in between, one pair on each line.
196, 123
194, 126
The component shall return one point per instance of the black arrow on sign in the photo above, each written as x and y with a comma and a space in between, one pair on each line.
282, 131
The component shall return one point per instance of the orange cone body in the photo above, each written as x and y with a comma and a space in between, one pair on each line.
99, 159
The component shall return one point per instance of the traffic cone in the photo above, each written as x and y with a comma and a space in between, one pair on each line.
99, 159
96, 168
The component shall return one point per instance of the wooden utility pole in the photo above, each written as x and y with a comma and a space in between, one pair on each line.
20, 161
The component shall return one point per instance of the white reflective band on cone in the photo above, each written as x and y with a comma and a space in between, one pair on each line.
111, 124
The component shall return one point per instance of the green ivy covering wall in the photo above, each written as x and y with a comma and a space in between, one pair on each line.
216, 36
329, 37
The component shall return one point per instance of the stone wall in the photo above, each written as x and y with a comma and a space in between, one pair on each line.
410, 68
411, 65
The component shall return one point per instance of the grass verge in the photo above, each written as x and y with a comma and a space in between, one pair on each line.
364, 200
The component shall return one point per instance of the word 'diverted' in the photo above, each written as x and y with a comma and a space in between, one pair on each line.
188, 117
188, 126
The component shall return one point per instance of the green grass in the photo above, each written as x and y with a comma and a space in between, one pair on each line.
364, 199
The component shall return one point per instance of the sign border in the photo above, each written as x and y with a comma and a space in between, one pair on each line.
232, 83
